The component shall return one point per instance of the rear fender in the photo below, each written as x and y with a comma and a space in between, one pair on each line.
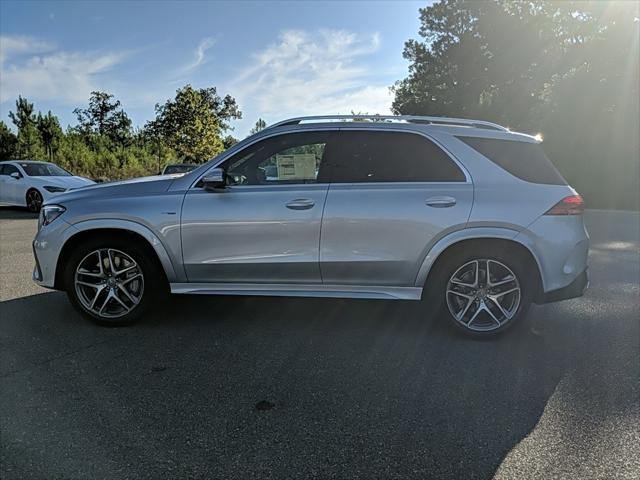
473, 233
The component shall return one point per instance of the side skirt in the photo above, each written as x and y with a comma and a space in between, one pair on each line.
299, 290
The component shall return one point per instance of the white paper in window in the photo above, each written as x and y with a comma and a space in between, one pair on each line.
298, 166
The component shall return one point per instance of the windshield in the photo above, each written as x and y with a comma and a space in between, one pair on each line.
44, 170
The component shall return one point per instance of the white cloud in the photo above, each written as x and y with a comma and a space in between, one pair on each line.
33, 68
204, 45
16, 45
313, 73
182, 73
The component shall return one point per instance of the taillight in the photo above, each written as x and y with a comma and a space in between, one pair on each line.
573, 205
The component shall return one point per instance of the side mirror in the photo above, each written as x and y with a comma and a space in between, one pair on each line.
16, 175
215, 180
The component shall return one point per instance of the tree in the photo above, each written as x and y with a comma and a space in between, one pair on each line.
568, 69
229, 141
8, 142
99, 116
119, 129
104, 118
28, 141
194, 121
152, 134
50, 132
260, 125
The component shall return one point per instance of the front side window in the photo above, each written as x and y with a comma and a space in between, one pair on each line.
376, 156
43, 170
285, 159
9, 169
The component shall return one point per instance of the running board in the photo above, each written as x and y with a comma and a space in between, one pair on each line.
299, 290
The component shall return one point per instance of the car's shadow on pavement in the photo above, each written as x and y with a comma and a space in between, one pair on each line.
364, 387
16, 213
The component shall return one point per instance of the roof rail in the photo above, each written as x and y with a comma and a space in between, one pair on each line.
397, 118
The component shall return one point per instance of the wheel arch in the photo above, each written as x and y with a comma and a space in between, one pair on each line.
473, 236
135, 232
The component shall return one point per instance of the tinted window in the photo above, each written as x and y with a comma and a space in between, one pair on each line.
285, 159
43, 170
374, 156
524, 160
173, 169
9, 169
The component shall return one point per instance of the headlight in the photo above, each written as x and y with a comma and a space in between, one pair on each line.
49, 213
52, 189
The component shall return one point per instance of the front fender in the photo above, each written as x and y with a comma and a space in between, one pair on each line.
174, 273
474, 233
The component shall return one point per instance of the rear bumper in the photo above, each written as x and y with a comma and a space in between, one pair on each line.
573, 290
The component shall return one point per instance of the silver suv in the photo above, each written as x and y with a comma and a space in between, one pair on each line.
465, 215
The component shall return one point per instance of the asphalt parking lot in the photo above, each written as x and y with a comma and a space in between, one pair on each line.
345, 388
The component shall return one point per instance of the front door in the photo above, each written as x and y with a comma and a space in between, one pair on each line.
12, 188
265, 225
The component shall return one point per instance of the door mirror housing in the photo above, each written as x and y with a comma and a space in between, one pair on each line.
215, 180
16, 175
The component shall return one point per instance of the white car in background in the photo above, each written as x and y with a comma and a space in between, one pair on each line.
27, 183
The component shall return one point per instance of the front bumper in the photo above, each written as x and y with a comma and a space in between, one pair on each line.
47, 246
37, 272
573, 290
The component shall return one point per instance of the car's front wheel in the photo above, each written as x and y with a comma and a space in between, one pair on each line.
34, 200
111, 281
484, 291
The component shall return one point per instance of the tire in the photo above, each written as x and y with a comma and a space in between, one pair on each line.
481, 308
34, 200
108, 296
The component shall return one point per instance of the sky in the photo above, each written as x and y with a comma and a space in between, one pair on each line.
277, 59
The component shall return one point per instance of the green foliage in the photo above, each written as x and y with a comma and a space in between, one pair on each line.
229, 141
8, 142
50, 132
260, 125
104, 146
567, 69
24, 118
103, 119
192, 124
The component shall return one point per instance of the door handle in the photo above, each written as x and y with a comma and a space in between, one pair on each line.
441, 202
300, 204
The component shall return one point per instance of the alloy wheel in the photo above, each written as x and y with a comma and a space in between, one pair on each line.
483, 295
34, 201
109, 283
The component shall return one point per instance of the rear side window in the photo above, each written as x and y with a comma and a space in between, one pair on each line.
527, 161
374, 156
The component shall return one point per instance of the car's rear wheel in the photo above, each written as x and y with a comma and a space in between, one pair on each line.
111, 281
34, 200
483, 291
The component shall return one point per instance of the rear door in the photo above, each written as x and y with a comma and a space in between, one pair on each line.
391, 194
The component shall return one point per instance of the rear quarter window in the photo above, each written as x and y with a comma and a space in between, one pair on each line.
527, 161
